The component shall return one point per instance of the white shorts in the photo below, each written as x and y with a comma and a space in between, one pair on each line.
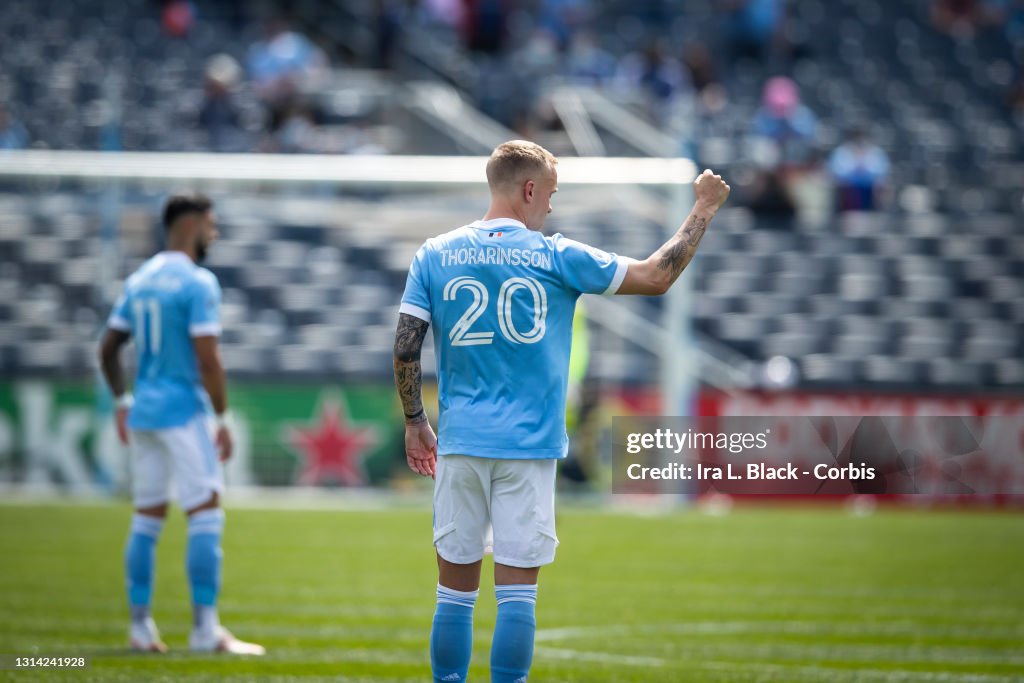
513, 499
188, 452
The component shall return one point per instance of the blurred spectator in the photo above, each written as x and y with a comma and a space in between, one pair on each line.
659, 77
859, 168
792, 40
448, 13
698, 62
284, 63
1010, 15
751, 26
177, 18
769, 198
962, 18
298, 132
791, 126
388, 21
13, 135
484, 25
701, 69
219, 115
563, 18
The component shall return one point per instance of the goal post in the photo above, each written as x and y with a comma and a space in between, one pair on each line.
370, 211
357, 171
670, 178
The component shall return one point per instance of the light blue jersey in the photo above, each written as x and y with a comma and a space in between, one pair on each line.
501, 300
165, 303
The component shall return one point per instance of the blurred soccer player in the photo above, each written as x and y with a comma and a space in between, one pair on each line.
171, 307
501, 297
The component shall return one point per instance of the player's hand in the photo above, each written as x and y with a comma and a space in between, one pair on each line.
711, 191
225, 442
121, 420
421, 448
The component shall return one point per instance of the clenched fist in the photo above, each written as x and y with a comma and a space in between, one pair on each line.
711, 190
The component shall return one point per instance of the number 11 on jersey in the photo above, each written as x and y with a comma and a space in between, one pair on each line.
140, 308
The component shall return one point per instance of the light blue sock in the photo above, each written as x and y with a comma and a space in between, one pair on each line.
205, 529
512, 648
139, 554
451, 637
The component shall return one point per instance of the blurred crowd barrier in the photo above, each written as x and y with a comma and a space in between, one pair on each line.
56, 437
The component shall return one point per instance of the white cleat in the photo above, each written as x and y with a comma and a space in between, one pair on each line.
221, 640
145, 637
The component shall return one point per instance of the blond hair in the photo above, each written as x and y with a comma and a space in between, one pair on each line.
515, 161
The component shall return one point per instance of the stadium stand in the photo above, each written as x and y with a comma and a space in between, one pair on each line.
860, 304
928, 292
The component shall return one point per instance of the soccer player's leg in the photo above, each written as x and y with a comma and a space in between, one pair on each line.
150, 492
515, 589
200, 480
451, 632
461, 522
523, 514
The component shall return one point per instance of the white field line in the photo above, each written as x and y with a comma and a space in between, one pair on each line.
597, 657
919, 653
780, 672
823, 673
907, 628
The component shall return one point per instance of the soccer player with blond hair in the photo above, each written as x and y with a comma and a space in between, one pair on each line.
500, 296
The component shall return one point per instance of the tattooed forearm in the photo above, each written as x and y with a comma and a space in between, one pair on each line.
409, 380
678, 251
409, 337
408, 373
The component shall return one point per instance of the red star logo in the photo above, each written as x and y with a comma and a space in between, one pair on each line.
333, 451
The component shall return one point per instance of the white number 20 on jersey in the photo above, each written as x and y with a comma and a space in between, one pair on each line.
460, 334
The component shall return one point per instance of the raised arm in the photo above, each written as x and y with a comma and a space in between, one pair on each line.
655, 274
420, 442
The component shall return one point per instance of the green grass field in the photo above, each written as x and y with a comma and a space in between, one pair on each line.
757, 595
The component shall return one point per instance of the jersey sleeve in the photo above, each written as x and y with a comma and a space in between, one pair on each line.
204, 307
587, 269
121, 316
416, 298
